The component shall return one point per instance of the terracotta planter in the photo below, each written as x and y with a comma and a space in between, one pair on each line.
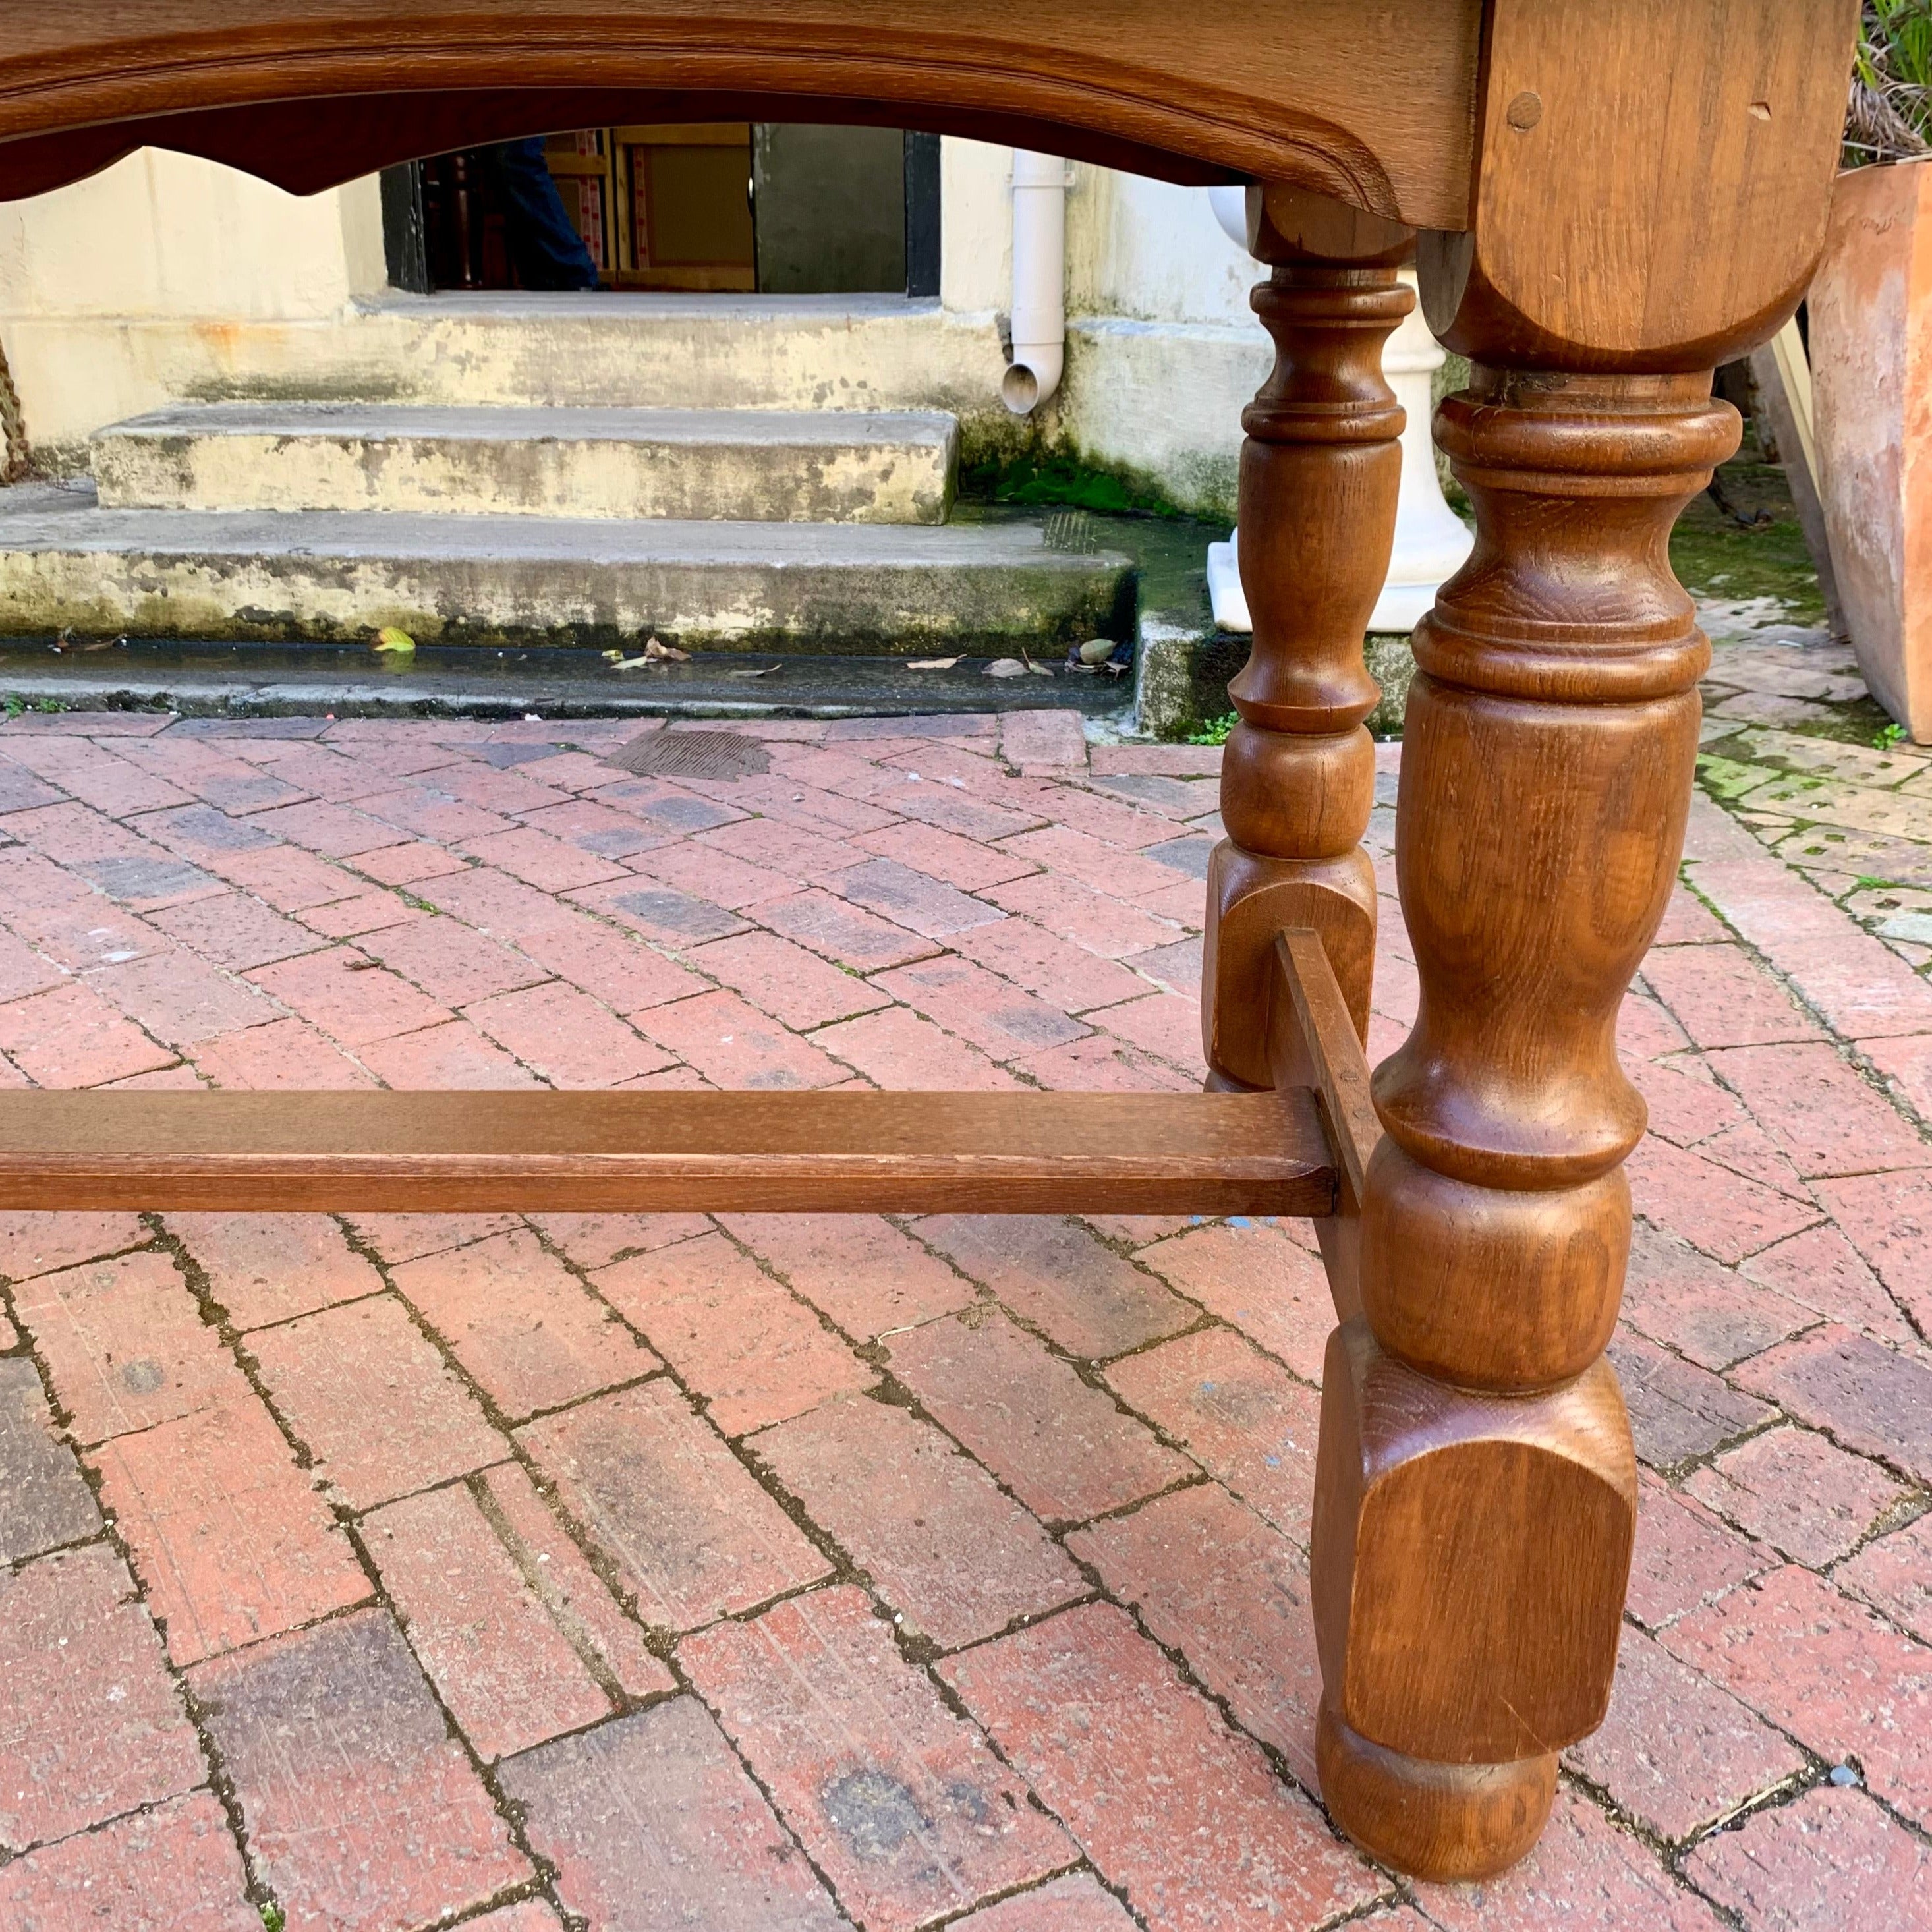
1871, 370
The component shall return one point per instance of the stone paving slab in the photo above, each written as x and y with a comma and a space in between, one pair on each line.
779, 1570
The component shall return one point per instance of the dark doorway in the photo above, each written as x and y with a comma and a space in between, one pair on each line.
829, 205
780, 209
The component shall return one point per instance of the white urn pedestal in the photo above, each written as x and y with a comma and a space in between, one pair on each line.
1432, 543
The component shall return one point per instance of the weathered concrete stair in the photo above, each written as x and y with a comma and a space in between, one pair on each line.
66, 562
824, 466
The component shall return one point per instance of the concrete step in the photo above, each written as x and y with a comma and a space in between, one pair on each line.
813, 465
268, 681
842, 589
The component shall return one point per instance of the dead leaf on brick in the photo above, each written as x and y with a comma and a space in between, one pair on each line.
655, 651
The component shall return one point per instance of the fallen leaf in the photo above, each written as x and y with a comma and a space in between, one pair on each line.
1006, 667
1097, 650
391, 639
932, 664
626, 663
765, 673
656, 648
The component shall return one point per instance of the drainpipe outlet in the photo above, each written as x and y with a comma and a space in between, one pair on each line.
1040, 281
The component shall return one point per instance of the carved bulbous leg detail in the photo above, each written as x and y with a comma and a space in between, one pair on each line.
1476, 1492
1319, 474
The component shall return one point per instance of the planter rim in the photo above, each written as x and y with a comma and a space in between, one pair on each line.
1896, 161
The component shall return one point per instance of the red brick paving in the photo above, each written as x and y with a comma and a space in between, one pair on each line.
1887, 1219
230, 1539
1838, 1677
408, 1238
1677, 1753
1057, 1275
1060, 1445
287, 1053
897, 1800
690, 1534
1832, 1854
525, 1329
1213, 1581
896, 1048
785, 980
72, 1037
173, 1869
943, 1546
1894, 1573
272, 1267
347, 995
44, 1500
755, 1352
1171, 1805
363, 1812
507, 1673
1798, 1492
867, 1274
1240, 1416
596, 1240
1011, 914
127, 1344
34, 1243
1586, 1875
92, 1725
1074, 1904
373, 1401
651, 1821
1257, 1278
1872, 1400
576, 1597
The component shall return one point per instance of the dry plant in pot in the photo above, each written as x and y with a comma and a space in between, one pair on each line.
1871, 341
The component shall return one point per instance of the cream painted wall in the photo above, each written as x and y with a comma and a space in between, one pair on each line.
1144, 249
164, 234
164, 278
118, 294
1163, 352
1151, 252
975, 243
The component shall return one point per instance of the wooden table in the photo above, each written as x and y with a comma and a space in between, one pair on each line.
1606, 198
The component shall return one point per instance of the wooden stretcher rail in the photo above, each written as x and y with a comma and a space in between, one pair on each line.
849, 1152
1313, 1047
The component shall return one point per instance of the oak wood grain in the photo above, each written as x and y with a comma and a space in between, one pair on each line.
1313, 1043
1475, 1488
1320, 471
1652, 181
1372, 105
1018, 1152
1324, 1039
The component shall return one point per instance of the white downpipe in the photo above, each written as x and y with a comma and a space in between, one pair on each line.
1432, 542
1040, 281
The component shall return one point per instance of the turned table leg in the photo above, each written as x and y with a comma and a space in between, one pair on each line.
1476, 1492
1319, 473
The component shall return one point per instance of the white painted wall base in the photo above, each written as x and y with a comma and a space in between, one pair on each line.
1432, 542
1164, 398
